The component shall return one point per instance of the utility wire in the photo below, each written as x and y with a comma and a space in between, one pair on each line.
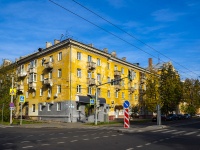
131, 35
109, 31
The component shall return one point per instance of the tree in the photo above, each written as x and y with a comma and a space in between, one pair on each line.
191, 96
170, 89
152, 95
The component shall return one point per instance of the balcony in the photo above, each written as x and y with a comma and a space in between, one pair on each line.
22, 74
131, 89
118, 87
48, 81
91, 65
91, 81
117, 73
32, 70
32, 85
20, 87
48, 65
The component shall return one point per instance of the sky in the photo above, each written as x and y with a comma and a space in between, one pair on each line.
164, 30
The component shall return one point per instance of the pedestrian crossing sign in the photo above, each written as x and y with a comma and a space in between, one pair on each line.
22, 98
12, 91
91, 101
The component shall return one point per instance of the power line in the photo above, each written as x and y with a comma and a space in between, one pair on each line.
112, 33
131, 36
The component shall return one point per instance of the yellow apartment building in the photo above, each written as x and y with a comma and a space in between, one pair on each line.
59, 81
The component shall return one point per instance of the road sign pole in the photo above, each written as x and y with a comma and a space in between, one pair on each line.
96, 106
21, 113
11, 101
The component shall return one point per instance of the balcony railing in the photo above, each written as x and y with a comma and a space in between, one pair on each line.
48, 81
32, 85
20, 87
48, 65
118, 87
32, 70
91, 65
91, 81
22, 74
117, 73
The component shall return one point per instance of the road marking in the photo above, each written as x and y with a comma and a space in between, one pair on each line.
74, 141
148, 144
45, 144
168, 131
129, 148
105, 136
60, 142
85, 139
96, 138
159, 130
139, 146
25, 141
27, 147
155, 141
190, 133
198, 135
179, 132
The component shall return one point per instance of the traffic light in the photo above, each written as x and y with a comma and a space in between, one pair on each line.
130, 75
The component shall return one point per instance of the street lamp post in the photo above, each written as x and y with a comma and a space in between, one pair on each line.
11, 101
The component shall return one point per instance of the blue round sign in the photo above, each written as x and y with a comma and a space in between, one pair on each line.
126, 104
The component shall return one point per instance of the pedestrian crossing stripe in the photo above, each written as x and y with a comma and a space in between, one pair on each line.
12, 91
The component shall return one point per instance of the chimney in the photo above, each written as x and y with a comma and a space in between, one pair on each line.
124, 58
48, 44
105, 50
56, 41
113, 54
150, 63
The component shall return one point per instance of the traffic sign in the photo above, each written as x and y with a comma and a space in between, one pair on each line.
12, 91
12, 108
126, 118
126, 104
92, 101
12, 105
21, 98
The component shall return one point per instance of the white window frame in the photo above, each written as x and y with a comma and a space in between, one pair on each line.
27, 94
40, 107
99, 91
108, 65
90, 90
48, 107
33, 107
59, 106
78, 89
58, 89
89, 58
98, 62
115, 67
108, 93
99, 77
122, 70
123, 96
116, 94
59, 56
79, 73
42, 77
50, 58
108, 80
50, 75
78, 55
89, 75
41, 92
49, 92
59, 73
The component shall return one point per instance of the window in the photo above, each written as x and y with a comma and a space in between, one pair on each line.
108, 80
89, 58
89, 90
89, 75
122, 70
41, 77
99, 77
59, 89
78, 88
78, 55
40, 107
33, 63
33, 107
115, 68
48, 107
49, 92
108, 93
33, 77
59, 106
123, 95
116, 94
122, 83
42, 62
98, 62
59, 73
27, 81
108, 65
41, 92
79, 73
27, 94
34, 93
98, 91
50, 75
59, 56
51, 59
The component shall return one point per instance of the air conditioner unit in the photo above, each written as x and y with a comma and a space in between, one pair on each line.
48, 96
52, 102
44, 103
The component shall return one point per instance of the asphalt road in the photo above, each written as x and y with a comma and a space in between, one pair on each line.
183, 136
